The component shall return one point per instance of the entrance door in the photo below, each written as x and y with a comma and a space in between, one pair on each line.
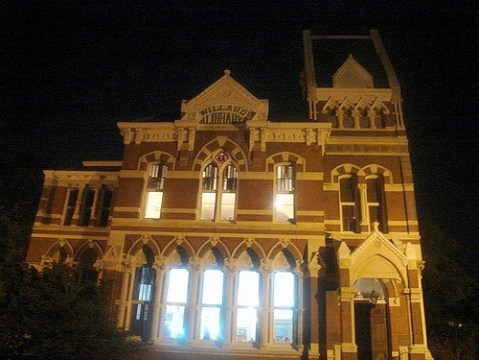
362, 316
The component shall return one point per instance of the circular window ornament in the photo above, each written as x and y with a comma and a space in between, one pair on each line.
222, 157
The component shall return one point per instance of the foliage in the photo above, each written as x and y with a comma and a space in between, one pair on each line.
451, 298
49, 314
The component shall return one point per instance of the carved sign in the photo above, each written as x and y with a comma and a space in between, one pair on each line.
225, 114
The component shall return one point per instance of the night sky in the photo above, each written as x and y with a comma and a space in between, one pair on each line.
70, 70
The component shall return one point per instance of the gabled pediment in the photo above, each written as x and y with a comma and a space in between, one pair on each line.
376, 257
224, 102
352, 75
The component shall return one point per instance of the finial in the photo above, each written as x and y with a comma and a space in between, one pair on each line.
227, 72
376, 226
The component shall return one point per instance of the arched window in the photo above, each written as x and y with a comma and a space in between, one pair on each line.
176, 289
284, 295
86, 270
211, 304
143, 295
364, 121
284, 193
348, 119
154, 190
219, 187
349, 203
376, 202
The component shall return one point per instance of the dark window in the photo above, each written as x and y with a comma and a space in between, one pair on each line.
376, 203
349, 198
71, 204
86, 206
104, 206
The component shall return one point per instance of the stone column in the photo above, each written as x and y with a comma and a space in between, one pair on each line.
120, 321
194, 267
228, 326
348, 341
265, 315
299, 309
159, 266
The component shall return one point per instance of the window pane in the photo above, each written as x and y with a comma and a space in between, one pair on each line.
348, 189
246, 325
230, 176
210, 323
208, 206
174, 320
210, 177
373, 190
177, 286
284, 207
283, 326
228, 201
153, 205
248, 288
349, 218
212, 287
283, 286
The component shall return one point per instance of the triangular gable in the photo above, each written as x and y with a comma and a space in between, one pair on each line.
376, 257
224, 102
352, 75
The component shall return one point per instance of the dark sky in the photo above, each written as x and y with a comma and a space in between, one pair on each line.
70, 70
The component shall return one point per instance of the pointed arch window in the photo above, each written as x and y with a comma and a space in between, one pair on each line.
247, 304
284, 193
176, 301
364, 121
219, 188
376, 202
211, 304
349, 203
284, 295
348, 119
154, 190
143, 296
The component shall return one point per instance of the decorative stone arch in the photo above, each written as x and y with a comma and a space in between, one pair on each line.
345, 169
378, 105
156, 157
251, 244
372, 170
137, 246
221, 143
214, 243
285, 248
85, 247
286, 157
179, 242
58, 251
330, 105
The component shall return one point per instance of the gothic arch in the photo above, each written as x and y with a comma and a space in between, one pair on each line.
221, 143
214, 243
179, 242
57, 248
87, 246
284, 158
248, 244
144, 240
285, 245
156, 157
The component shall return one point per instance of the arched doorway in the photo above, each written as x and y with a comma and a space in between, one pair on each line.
371, 320
143, 296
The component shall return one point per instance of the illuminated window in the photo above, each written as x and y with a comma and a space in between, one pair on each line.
211, 302
284, 193
86, 206
219, 187
70, 206
154, 190
376, 204
283, 307
176, 300
349, 203
247, 306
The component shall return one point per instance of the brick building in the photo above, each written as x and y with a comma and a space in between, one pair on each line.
228, 235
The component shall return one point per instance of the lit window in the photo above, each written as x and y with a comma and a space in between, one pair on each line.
283, 304
349, 203
284, 188
176, 299
211, 302
376, 203
86, 206
218, 197
247, 306
154, 190
70, 206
